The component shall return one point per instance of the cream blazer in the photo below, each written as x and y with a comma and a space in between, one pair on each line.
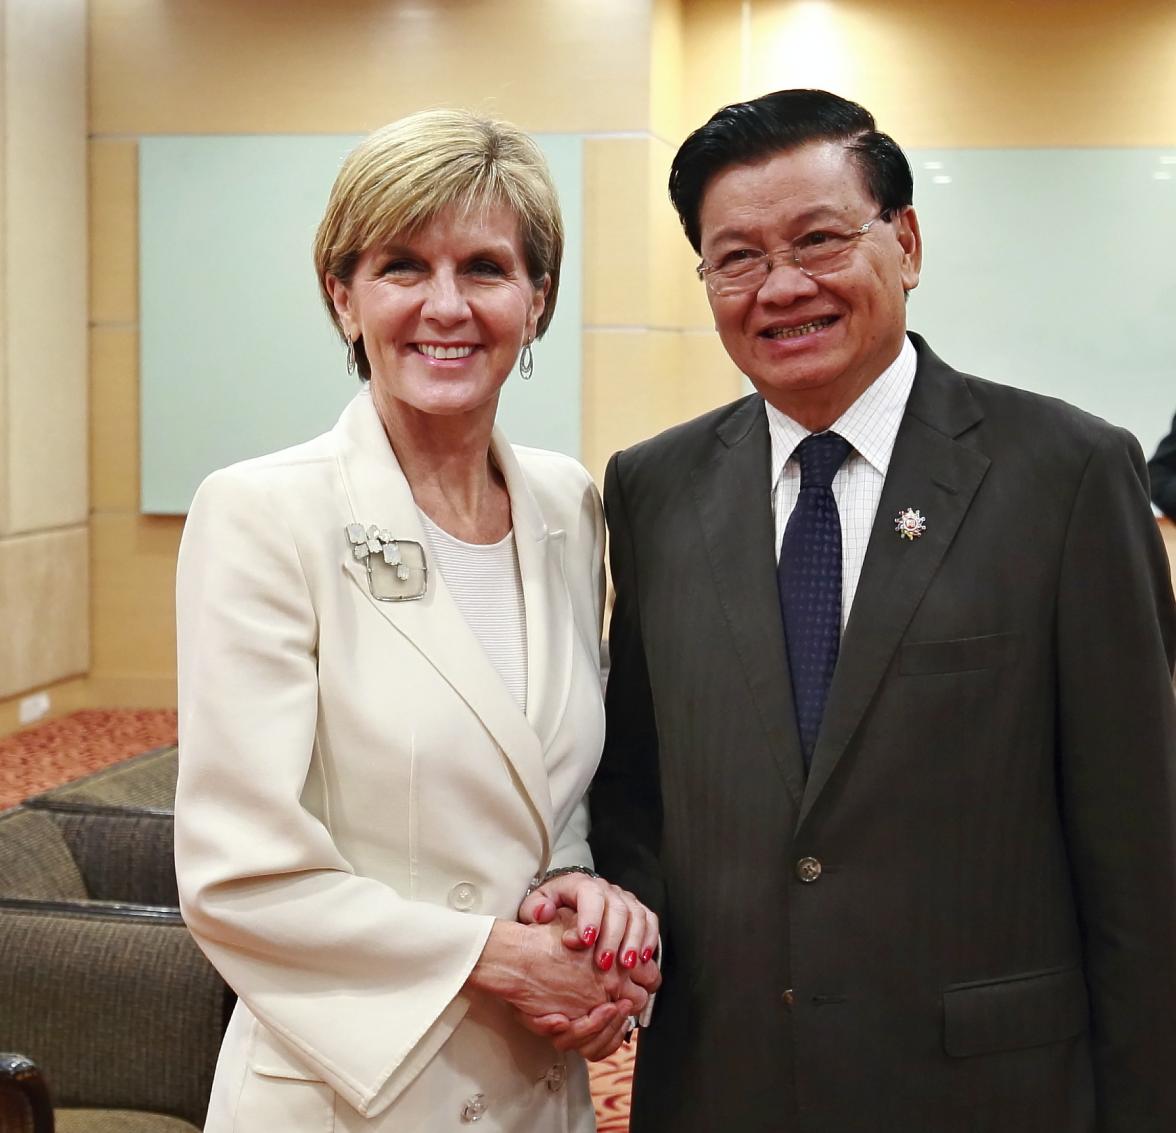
360, 796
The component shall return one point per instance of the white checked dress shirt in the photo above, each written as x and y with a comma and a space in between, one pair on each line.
870, 425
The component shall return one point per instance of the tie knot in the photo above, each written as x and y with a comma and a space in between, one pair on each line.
820, 455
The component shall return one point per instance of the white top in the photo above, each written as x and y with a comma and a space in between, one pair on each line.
870, 425
487, 588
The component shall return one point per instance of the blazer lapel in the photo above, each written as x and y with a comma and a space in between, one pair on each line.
550, 622
932, 472
740, 542
379, 494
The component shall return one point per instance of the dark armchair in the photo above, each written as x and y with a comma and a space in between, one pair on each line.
108, 995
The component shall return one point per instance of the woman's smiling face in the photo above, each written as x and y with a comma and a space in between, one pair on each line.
443, 313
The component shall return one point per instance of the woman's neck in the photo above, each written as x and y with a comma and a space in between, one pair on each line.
447, 463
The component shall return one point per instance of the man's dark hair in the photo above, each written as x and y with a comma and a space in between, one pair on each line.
747, 132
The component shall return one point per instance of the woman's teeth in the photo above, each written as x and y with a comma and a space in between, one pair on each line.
444, 352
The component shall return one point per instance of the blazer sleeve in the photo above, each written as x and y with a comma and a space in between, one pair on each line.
1162, 472
359, 985
1116, 643
625, 798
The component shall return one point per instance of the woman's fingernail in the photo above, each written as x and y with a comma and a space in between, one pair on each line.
604, 961
588, 936
629, 959
647, 955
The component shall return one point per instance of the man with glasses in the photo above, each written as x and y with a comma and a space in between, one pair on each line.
891, 731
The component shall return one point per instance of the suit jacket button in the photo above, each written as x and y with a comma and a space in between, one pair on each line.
464, 896
474, 1108
789, 997
808, 870
556, 1077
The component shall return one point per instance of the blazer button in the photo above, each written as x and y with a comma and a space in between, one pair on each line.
474, 1108
789, 997
808, 870
556, 1077
464, 896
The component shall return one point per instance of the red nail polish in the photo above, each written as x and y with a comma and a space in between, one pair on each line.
629, 960
647, 955
589, 935
604, 961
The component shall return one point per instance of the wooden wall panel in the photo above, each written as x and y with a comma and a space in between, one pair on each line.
302, 66
44, 596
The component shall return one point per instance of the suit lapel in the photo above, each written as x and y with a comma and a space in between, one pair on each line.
933, 472
379, 494
740, 543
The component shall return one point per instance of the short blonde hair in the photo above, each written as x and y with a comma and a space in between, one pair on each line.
402, 175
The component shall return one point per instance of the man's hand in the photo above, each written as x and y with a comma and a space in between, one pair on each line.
531, 968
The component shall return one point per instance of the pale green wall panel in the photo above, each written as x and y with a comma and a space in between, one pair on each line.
237, 355
1054, 270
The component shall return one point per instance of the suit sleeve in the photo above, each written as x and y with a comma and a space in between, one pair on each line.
1116, 641
1162, 472
360, 985
625, 798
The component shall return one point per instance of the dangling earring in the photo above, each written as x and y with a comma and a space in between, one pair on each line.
350, 353
526, 363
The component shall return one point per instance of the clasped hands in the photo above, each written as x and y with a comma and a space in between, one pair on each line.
598, 964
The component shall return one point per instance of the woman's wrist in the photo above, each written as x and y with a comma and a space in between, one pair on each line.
559, 871
501, 969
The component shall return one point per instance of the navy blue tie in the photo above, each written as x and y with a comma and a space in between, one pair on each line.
809, 577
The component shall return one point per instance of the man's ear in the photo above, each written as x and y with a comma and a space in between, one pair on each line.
906, 227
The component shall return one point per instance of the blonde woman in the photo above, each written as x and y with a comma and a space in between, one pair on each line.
390, 697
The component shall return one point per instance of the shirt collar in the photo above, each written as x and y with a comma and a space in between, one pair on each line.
870, 424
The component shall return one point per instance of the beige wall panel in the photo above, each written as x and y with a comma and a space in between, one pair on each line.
631, 390
637, 383
982, 73
302, 66
672, 278
44, 594
64, 697
667, 119
44, 84
712, 59
114, 419
707, 376
1168, 531
133, 692
114, 231
616, 232
134, 567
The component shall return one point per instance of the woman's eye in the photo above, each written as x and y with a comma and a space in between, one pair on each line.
401, 267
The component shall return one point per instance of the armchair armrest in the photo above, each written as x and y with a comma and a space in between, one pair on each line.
115, 1002
24, 1097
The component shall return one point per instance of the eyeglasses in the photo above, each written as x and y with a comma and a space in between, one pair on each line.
816, 253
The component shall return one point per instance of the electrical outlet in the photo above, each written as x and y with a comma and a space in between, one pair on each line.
33, 707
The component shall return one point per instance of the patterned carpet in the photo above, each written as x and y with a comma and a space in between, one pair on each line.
40, 757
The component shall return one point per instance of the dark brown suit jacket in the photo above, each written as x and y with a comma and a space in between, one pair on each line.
990, 945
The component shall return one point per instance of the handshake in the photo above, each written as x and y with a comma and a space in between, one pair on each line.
577, 965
